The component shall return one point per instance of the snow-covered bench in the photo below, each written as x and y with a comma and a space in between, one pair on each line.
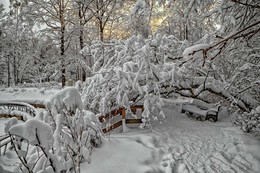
201, 113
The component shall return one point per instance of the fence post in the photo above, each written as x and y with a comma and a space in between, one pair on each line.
123, 113
123, 119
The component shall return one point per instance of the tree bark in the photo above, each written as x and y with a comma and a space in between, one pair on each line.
81, 71
101, 31
8, 71
62, 43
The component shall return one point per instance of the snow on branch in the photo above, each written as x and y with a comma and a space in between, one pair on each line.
68, 99
33, 129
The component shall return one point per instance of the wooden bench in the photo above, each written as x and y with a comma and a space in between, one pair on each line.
210, 114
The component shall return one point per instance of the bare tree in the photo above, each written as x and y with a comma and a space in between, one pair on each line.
55, 14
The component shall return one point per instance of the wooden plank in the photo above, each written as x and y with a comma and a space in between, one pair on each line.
114, 126
111, 114
21, 107
3, 137
133, 121
134, 107
38, 105
123, 113
120, 111
10, 116
4, 143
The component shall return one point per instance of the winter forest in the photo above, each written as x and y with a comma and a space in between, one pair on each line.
145, 86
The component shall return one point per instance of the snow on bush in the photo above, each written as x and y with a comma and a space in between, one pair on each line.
133, 70
67, 100
39, 138
74, 138
249, 122
10, 123
76, 131
195, 50
35, 131
78, 85
58, 140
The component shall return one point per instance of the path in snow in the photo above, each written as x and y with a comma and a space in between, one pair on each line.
194, 146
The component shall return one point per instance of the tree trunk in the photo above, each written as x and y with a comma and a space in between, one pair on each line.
82, 73
8, 71
186, 32
62, 44
62, 52
101, 31
14, 69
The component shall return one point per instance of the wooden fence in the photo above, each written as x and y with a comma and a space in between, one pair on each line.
104, 119
16, 106
121, 111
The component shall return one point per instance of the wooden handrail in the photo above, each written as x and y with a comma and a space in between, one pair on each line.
19, 106
4, 140
120, 111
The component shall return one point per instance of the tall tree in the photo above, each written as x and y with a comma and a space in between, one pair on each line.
55, 14
102, 11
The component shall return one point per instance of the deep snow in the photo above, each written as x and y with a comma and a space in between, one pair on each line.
194, 146
181, 144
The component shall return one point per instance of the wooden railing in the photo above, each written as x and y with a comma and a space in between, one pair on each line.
16, 106
4, 141
121, 111
104, 119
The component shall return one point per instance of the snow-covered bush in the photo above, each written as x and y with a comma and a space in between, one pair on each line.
65, 101
127, 72
136, 69
58, 140
39, 139
79, 85
76, 132
249, 122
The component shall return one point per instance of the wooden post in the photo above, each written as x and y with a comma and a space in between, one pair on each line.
5, 149
123, 113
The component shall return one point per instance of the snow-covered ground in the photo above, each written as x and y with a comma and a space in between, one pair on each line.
31, 95
179, 145
194, 146
134, 151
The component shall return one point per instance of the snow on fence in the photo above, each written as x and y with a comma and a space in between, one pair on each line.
117, 117
16, 109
